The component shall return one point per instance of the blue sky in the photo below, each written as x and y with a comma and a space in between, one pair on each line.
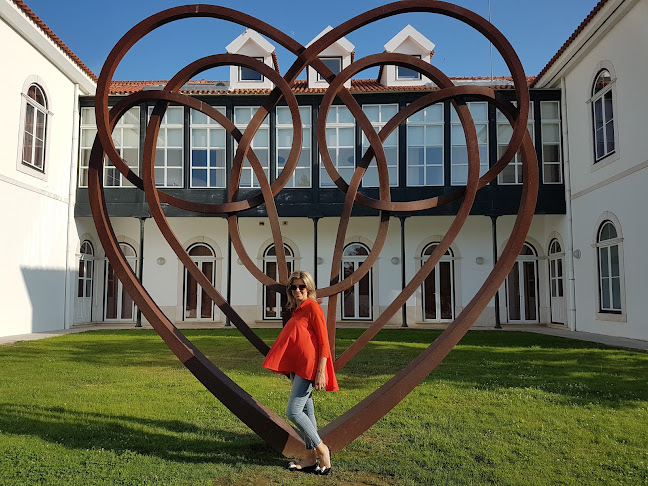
91, 28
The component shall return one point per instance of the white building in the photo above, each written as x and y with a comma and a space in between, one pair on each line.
580, 267
600, 72
42, 82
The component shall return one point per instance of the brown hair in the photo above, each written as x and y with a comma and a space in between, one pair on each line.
310, 286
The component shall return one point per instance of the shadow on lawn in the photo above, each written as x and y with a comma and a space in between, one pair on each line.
170, 440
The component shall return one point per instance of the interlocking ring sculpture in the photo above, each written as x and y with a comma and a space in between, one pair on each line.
272, 428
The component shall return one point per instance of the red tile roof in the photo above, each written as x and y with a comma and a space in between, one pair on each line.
204, 87
48, 32
571, 39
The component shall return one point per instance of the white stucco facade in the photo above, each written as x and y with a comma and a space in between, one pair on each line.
612, 188
37, 244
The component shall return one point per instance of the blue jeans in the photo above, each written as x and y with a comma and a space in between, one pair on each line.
300, 410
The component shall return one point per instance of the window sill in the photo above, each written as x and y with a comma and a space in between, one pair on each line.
32, 171
611, 317
607, 160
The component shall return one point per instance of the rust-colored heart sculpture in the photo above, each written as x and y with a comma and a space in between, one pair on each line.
358, 419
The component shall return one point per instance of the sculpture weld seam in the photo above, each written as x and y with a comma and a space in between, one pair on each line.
268, 425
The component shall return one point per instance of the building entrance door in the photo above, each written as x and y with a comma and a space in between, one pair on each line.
83, 303
522, 287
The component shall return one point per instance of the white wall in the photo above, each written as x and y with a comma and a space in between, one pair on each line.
34, 206
616, 184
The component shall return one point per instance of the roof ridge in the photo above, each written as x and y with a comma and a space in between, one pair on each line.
49, 33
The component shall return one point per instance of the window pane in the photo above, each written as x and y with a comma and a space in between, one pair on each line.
174, 177
415, 135
407, 73
372, 112
602, 81
199, 177
174, 137
415, 176
199, 137
434, 135
175, 115
344, 115
614, 261
604, 264
616, 293
333, 63
605, 293
550, 133
549, 109
609, 136
551, 153
434, 156
242, 115
248, 74
346, 136
283, 116
198, 117
551, 173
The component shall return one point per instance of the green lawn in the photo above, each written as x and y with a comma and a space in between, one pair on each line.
116, 407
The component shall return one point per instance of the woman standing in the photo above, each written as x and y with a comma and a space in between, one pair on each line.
302, 350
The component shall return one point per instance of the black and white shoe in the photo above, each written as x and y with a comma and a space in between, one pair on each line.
293, 466
323, 471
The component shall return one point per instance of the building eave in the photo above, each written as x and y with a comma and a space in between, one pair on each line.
603, 17
31, 28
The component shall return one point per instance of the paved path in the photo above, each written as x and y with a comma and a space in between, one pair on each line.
617, 342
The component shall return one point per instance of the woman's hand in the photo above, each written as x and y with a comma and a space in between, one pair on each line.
320, 376
320, 380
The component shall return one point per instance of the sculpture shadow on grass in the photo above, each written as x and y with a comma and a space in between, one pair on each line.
171, 440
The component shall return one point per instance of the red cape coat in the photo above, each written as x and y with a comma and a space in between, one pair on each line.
300, 345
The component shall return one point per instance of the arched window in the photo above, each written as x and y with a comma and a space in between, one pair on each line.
522, 287
603, 115
35, 127
272, 299
83, 307
610, 270
438, 287
556, 282
357, 301
117, 303
197, 303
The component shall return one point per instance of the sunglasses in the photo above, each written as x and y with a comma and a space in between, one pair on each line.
295, 287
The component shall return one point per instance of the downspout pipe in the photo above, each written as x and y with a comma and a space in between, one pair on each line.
402, 235
142, 220
70, 245
229, 276
569, 253
498, 324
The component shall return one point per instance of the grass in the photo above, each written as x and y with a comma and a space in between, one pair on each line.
116, 407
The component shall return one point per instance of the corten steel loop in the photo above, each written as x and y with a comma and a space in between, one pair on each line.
351, 190
244, 143
358, 419
272, 428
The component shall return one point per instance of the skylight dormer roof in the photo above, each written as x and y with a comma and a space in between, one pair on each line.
407, 41
337, 56
250, 43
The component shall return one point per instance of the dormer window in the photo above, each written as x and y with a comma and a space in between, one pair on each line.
333, 63
407, 73
248, 74
409, 42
